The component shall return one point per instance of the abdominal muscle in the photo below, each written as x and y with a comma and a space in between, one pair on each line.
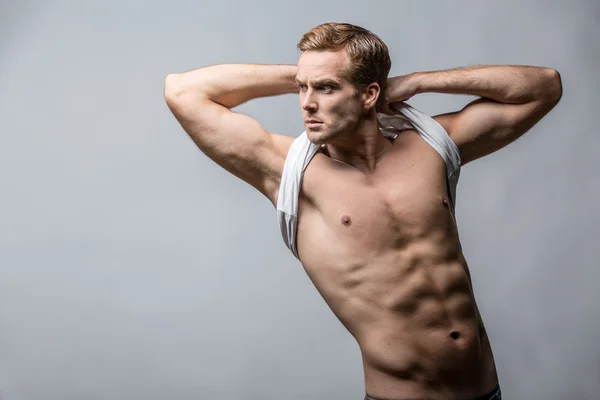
383, 250
410, 307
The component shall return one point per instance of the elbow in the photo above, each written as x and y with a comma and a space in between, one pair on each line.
174, 90
554, 86
180, 89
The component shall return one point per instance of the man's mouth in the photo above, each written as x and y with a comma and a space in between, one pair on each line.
313, 122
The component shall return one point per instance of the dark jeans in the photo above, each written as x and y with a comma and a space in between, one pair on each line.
495, 394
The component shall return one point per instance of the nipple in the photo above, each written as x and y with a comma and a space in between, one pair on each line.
444, 201
346, 220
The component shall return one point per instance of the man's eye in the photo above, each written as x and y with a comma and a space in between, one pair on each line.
326, 88
302, 87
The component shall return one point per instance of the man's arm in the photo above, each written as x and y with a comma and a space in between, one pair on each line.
201, 101
512, 100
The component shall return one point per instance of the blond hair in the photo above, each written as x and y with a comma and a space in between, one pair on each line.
368, 54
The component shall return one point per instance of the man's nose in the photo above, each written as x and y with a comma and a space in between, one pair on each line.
308, 102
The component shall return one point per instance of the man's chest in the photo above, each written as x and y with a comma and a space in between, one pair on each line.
405, 197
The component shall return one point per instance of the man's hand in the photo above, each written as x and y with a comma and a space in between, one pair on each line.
399, 88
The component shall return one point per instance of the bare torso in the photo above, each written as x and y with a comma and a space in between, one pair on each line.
383, 251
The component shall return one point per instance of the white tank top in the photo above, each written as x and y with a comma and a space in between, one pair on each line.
302, 151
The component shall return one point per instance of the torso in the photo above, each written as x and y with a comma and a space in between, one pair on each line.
383, 251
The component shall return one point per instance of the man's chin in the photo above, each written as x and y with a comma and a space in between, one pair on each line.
316, 137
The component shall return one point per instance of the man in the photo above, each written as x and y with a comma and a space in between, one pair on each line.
369, 212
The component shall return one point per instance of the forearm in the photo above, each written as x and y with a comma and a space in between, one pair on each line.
233, 84
506, 84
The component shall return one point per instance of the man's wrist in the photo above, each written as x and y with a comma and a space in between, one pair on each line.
443, 81
290, 72
419, 82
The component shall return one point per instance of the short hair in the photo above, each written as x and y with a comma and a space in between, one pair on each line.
369, 56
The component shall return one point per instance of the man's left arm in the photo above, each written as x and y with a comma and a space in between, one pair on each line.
512, 100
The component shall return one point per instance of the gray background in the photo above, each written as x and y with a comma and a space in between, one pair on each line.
133, 267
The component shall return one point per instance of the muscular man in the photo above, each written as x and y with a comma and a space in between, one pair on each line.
374, 228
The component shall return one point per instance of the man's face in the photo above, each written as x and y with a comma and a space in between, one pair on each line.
331, 106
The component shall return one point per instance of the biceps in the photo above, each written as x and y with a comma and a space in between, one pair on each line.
234, 141
485, 126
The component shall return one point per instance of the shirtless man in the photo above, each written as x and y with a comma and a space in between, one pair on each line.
376, 231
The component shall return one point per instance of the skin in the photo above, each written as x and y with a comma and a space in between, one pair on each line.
376, 231
349, 126
382, 247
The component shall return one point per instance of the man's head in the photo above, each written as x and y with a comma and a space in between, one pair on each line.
342, 74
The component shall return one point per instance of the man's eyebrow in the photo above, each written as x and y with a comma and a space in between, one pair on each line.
327, 81
330, 82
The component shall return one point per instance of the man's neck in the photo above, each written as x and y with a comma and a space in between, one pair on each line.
363, 148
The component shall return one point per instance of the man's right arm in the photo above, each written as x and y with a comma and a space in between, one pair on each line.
201, 101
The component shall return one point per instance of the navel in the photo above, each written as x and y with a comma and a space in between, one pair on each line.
346, 220
455, 334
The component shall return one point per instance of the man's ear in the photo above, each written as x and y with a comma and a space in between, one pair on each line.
370, 95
